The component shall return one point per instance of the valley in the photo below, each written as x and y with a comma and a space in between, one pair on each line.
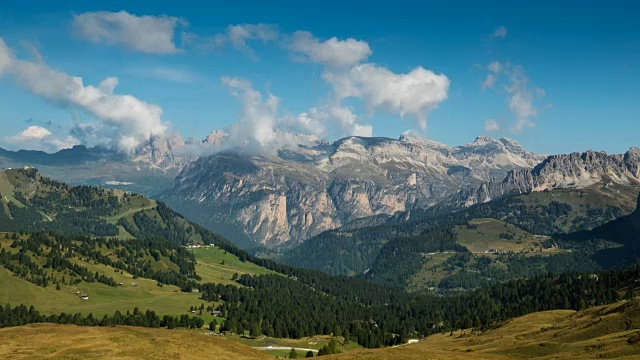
102, 253
259, 180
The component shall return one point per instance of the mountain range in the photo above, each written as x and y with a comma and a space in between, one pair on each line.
297, 192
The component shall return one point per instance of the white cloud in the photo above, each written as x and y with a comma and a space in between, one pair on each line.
262, 128
33, 132
494, 70
495, 67
362, 130
520, 98
332, 52
258, 119
32, 49
147, 33
39, 138
489, 81
236, 36
500, 32
491, 126
329, 120
6, 57
415, 93
135, 121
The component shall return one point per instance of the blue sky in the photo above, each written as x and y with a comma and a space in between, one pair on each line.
555, 77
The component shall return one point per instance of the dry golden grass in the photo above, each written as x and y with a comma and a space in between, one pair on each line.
74, 342
601, 332
486, 237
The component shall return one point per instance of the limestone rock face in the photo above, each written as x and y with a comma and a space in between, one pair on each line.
575, 170
300, 192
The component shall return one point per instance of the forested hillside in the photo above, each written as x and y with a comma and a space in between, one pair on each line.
33, 203
444, 250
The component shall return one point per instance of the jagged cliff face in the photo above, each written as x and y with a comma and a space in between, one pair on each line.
298, 193
574, 170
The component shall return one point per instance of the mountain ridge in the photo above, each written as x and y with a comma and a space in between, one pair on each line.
300, 192
574, 170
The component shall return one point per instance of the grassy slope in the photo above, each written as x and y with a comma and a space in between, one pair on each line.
209, 266
481, 238
581, 200
314, 342
486, 236
600, 332
74, 342
106, 300
103, 299
12, 181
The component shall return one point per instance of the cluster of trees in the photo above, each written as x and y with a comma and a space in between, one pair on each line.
475, 271
22, 315
23, 264
137, 257
403, 256
79, 210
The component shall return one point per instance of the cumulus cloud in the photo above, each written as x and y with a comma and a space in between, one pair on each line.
329, 119
491, 126
262, 127
258, 119
39, 138
500, 32
520, 97
147, 33
521, 100
236, 36
331, 52
134, 121
415, 93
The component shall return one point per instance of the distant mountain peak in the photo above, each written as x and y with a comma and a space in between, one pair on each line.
305, 190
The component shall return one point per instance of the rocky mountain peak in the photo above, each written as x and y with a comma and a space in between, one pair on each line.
302, 191
216, 137
574, 170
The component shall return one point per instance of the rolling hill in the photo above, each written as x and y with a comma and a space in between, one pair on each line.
70, 341
100, 242
610, 331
